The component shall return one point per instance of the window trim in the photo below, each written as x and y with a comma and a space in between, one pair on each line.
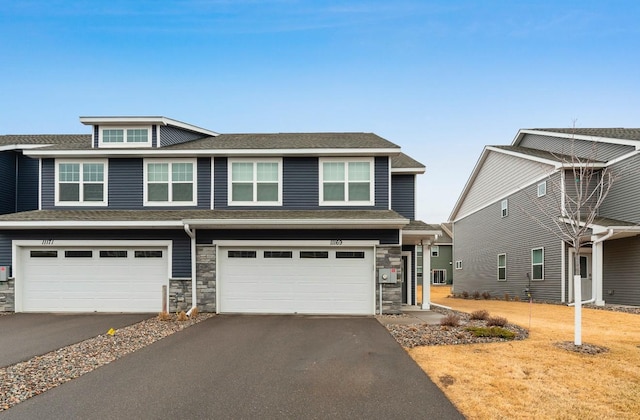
458, 265
540, 264
346, 202
504, 207
170, 202
125, 143
504, 267
105, 183
542, 184
439, 270
435, 251
254, 182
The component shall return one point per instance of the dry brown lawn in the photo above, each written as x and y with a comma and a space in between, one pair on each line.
534, 378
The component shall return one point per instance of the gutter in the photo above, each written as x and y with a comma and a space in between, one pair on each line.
194, 294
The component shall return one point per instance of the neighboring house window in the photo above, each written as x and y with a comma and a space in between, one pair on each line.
81, 183
537, 264
459, 265
170, 182
542, 189
255, 182
435, 250
439, 276
502, 267
125, 137
346, 181
504, 208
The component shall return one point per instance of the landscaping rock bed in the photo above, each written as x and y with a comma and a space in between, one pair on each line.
414, 335
33, 377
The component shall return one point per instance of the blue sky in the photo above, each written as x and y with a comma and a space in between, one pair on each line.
440, 78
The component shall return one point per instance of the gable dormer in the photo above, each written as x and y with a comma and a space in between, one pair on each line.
141, 132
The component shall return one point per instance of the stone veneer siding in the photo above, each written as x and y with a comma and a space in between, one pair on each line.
389, 257
180, 290
7, 296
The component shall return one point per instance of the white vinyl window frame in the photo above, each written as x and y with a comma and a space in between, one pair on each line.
537, 264
439, 274
82, 181
435, 250
504, 208
346, 181
502, 267
130, 136
254, 182
542, 189
459, 265
171, 182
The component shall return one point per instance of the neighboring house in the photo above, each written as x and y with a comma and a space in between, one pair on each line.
442, 256
149, 209
500, 248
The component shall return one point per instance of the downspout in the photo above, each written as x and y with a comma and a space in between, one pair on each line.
595, 242
194, 295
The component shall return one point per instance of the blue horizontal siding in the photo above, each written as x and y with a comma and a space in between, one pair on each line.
8, 177
172, 135
125, 184
181, 243
403, 195
28, 184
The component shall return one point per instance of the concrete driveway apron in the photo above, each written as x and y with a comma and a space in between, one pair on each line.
23, 336
243, 367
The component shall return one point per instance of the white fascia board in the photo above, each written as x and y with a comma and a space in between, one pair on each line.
299, 244
22, 146
295, 223
145, 120
93, 153
421, 233
447, 231
72, 224
570, 136
551, 162
407, 170
470, 181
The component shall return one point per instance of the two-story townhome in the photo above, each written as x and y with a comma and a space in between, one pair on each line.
500, 243
146, 213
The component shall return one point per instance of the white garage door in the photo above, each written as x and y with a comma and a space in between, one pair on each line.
303, 281
82, 279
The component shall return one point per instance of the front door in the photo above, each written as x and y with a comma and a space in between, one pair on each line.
585, 274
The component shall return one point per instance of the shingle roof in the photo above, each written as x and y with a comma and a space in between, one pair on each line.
420, 225
75, 140
613, 133
404, 161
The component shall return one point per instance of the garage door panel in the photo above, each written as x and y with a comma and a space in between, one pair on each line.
96, 283
296, 285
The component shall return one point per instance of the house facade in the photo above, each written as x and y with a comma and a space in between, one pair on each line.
500, 243
148, 213
441, 256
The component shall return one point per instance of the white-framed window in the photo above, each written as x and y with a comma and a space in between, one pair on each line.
439, 276
255, 182
537, 264
346, 181
435, 250
542, 189
504, 207
170, 182
502, 267
459, 265
81, 183
125, 136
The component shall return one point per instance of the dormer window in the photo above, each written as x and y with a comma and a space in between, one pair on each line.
125, 136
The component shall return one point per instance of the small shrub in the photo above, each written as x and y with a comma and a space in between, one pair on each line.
450, 320
497, 321
476, 295
182, 316
194, 313
506, 296
516, 298
491, 332
465, 294
480, 314
486, 295
164, 316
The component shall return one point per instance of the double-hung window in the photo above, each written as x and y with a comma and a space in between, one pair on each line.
81, 183
502, 267
346, 181
504, 208
125, 137
255, 182
170, 183
542, 189
435, 250
537, 264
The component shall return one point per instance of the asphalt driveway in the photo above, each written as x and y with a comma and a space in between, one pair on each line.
254, 367
23, 336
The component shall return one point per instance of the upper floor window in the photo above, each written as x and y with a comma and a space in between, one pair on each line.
255, 182
542, 189
125, 137
346, 181
81, 183
169, 183
435, 250
504, 208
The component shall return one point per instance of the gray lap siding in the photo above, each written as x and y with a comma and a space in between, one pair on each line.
621, 265
623, 198
481, 236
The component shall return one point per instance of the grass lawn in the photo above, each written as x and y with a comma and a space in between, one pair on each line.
534, 378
